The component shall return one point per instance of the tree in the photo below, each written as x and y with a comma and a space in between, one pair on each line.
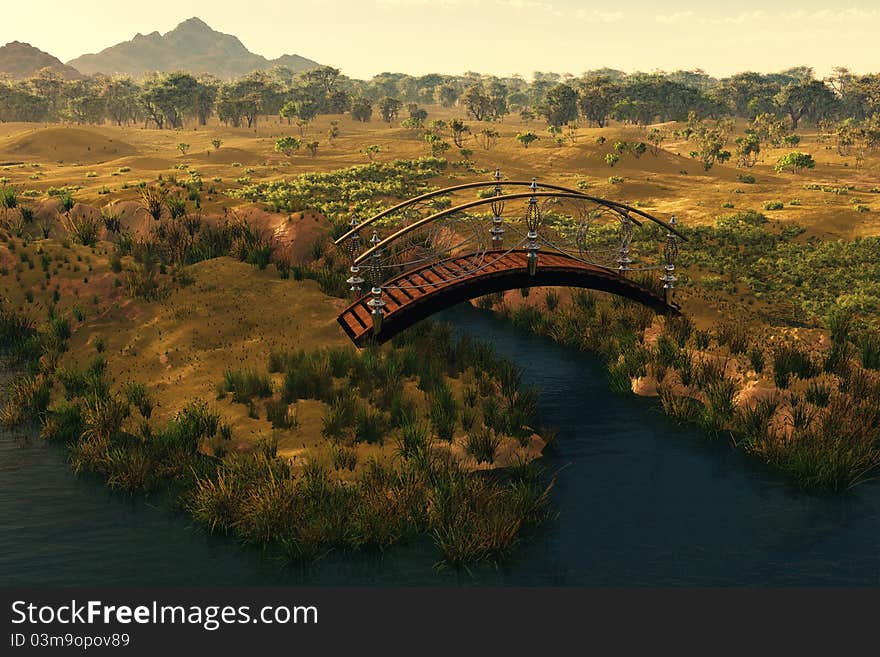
312, 147
84, 104
459, 130
446, 94
170, 98
748, 147
361, 109
769, 128
811, 98
120, 96
655, 137
497, 94
216, 143
389, 108
372, 150
437, 144
711, 141
333, 131
204, 97
597, 96
611, 159
416, 113
183, 148
247, 98
526, 138
338, 102
287, 145
638, 148
304, 108
323, 77
795, 161
559, 105
477, 102
488, 138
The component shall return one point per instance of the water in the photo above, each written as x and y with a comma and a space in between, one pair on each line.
640, 502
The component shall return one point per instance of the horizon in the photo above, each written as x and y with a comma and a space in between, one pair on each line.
696, 37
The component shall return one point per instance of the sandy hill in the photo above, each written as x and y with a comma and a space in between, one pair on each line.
63, 144
191, 46
21, 60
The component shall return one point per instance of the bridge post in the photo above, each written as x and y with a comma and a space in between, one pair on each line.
497, 229
626, 235
533, 222
354, 250
670, 252
376, 303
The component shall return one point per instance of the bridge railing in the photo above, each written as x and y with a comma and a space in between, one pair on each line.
507, 216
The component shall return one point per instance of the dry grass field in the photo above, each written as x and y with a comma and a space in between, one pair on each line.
230, 315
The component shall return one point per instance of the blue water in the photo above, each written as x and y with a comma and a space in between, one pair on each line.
640, 501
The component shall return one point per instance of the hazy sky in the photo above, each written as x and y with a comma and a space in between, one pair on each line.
490, 36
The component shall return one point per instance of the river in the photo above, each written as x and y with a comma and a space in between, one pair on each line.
640, 501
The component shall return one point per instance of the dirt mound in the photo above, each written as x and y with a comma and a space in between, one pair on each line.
64, 144
226, 155
295, 233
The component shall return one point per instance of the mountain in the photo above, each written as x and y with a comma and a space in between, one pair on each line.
191, 46
21, 60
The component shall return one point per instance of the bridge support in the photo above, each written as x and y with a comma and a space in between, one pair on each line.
533, 222
377, 309
626, 236
670, 252
497, 230
354, 250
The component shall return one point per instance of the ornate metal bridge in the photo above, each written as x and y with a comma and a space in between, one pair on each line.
516, 234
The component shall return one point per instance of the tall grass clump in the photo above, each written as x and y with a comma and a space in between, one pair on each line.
790, 360
246, 384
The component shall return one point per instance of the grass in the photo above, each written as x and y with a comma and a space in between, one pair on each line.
482, 444
246, 384
791, 360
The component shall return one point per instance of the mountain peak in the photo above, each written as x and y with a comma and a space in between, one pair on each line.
21, 60
192, 46
194, 24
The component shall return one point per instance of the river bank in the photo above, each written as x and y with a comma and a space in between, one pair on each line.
639, 501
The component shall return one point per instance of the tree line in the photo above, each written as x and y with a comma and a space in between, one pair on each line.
168, 100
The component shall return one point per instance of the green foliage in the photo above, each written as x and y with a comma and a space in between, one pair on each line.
337, 194
795, 161
526, 138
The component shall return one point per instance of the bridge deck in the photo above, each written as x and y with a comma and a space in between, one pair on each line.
420, 292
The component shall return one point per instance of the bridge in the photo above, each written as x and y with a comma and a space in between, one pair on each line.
429, 253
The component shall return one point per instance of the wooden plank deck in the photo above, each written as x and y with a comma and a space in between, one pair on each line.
420, 292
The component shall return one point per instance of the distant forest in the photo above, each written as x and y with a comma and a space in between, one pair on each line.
168, 100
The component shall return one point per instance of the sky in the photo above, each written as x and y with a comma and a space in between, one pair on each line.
501, 37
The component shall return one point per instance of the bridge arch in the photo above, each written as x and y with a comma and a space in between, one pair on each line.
422, 258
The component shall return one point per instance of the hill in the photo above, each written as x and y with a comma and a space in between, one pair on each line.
191, 46
21, 60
